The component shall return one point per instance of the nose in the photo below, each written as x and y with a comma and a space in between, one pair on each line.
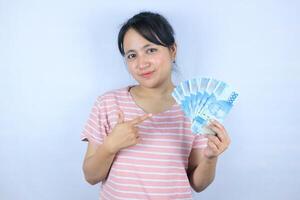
142, 62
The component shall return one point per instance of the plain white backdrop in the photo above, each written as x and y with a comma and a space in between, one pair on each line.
57, 56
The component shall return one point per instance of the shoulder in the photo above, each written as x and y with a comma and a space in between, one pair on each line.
112, 96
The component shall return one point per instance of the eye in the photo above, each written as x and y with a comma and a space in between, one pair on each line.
151, 50
130, 56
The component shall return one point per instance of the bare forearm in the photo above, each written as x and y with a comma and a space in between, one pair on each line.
97, 166
203, 174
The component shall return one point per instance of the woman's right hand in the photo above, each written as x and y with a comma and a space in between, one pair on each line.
124, 134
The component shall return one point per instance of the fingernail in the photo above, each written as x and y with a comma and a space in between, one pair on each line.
212, 120
150, 114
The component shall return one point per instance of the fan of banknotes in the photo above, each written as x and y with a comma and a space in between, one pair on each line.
204, 99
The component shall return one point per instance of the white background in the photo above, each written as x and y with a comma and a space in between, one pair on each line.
57, 56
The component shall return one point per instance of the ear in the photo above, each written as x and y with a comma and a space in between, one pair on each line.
173, 51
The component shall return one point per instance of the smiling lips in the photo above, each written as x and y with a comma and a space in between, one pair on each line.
147, 74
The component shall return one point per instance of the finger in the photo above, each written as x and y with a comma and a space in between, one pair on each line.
220, 132
120, 117
140, 119
214, 129
136, 131
223, 136
217, 124
215, 140
212, 146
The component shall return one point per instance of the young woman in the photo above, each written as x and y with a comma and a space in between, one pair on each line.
140, 145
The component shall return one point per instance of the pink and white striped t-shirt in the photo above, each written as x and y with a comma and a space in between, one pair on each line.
156, 167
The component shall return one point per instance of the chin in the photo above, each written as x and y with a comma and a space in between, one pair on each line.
150, 84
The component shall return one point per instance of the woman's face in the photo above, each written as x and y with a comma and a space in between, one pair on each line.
148, 63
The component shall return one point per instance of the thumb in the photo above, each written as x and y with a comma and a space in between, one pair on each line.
120, 117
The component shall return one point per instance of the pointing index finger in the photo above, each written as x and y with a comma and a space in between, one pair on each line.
140, 119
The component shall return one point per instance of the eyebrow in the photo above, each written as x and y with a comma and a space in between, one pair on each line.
144, 47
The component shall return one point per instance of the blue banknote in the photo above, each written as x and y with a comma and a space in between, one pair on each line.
204, 99
183, 100
217, 107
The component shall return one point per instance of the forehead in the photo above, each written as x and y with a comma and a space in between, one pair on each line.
134, 41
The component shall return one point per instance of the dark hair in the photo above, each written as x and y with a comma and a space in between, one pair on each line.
152, 26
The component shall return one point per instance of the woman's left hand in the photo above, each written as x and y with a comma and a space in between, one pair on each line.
217, 143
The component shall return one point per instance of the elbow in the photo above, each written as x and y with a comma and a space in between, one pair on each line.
200, 187
91, 179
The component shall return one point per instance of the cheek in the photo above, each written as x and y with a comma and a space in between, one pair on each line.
131, 69
164, 63
162, 60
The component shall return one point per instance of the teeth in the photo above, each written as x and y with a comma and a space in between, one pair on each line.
204, 99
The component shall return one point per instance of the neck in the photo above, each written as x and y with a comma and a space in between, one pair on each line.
158, 92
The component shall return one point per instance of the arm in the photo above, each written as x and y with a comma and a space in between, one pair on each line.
201, 171
202, 162
97, 163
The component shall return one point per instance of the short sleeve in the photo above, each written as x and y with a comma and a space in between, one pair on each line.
200, 141
96, 126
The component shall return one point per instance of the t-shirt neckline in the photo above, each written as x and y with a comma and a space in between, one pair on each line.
141, 109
